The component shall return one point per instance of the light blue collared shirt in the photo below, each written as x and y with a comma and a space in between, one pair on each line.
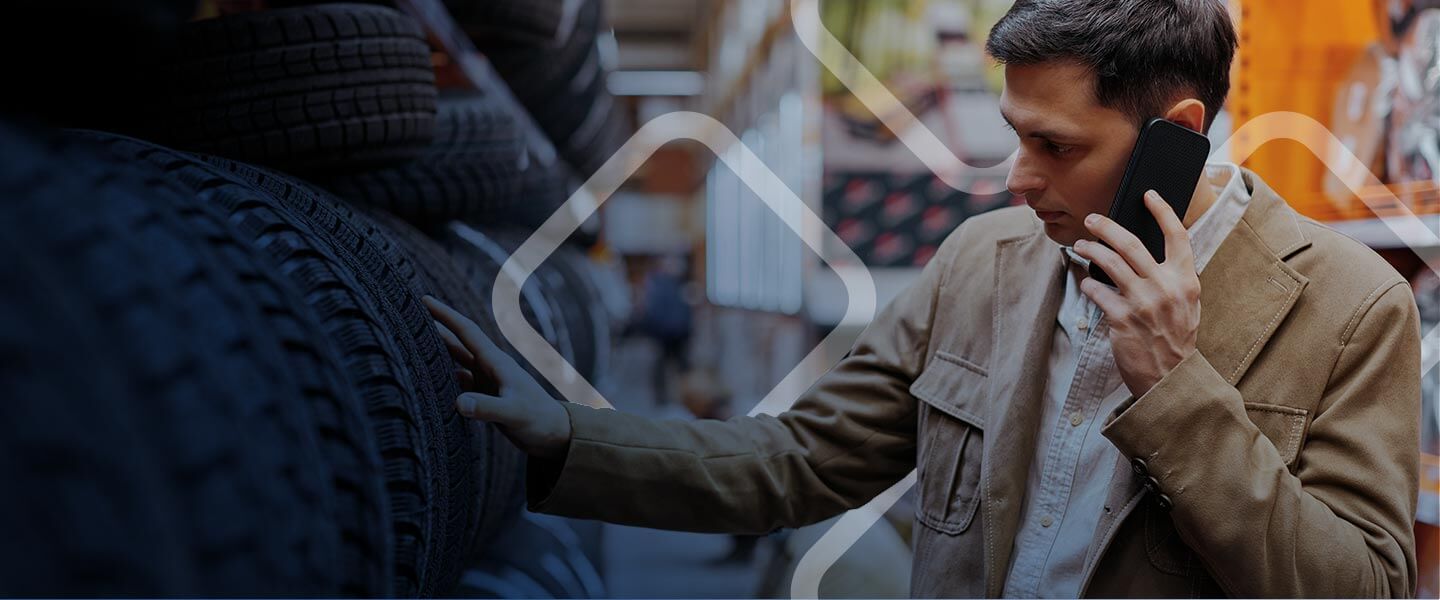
1069, 477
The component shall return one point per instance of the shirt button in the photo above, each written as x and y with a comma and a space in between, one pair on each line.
1082, 324
1046, 521
1076, 419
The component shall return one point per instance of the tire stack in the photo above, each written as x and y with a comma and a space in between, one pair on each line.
569, 97
223, 381
539, 557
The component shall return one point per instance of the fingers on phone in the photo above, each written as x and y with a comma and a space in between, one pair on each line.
1114, 265
1128, 248
1104, 296
1177, 240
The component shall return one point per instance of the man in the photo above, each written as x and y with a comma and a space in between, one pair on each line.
1072, 439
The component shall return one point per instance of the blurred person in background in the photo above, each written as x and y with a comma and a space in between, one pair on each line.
662, 313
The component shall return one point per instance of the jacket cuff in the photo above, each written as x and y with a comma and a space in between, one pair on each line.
1170, 423
549, 482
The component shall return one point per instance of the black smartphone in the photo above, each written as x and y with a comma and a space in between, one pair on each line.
1169, 159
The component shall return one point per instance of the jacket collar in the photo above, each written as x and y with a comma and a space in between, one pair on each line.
1277, 224
1246, 291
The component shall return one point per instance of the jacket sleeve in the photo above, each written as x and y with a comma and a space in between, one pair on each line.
1342, 525
845, 440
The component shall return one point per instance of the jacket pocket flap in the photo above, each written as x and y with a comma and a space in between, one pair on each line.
1284, 426
955, 386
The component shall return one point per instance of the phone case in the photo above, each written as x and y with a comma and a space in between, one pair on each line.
1169, 159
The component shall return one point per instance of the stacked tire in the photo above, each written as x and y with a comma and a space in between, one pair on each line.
312, 88
560, 78
539, 557
471, 171
179, 422
233, 265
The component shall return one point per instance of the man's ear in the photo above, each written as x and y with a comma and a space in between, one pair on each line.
1188, 112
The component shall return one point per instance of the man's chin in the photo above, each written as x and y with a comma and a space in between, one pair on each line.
1060, 234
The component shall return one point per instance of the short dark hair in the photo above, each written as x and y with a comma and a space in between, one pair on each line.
1143, 52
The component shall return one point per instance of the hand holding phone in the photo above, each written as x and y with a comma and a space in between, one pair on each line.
1169, 159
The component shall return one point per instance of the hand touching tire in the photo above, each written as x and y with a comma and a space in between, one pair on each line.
498, 390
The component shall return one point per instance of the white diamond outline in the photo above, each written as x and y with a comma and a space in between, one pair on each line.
762, 181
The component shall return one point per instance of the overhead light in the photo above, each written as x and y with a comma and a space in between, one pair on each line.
656, 83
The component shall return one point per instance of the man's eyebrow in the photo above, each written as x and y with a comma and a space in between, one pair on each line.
1045, 134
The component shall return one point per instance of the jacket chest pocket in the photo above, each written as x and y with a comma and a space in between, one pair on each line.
950, 445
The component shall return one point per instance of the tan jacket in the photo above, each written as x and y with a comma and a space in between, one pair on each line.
1282, 457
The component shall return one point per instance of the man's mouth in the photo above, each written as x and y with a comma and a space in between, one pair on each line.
1049, 215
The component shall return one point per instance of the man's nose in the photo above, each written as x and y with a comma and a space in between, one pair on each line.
1023, 178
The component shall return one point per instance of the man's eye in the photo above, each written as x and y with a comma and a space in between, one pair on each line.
1057, 149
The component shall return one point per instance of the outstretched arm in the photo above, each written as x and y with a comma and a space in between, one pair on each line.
848, 438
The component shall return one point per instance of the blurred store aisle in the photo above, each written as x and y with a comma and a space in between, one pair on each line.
651, 563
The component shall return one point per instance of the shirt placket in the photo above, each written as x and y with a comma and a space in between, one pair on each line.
1094, 363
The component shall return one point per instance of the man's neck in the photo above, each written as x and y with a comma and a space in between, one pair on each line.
1203, 199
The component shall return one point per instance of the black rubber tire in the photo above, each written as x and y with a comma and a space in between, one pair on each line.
46, 323
543, 191
157, 440
564, 88
352, 276
551, 289
451, 437
582, 330
537, 73
330, 86
522, 22
596, 136
501, 470
580, 116
337, 412
436, 271
470, 172
538, 556
589, 323
591, 535
481, 256
528, 22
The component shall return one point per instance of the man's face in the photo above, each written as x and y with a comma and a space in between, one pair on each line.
1073, 151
